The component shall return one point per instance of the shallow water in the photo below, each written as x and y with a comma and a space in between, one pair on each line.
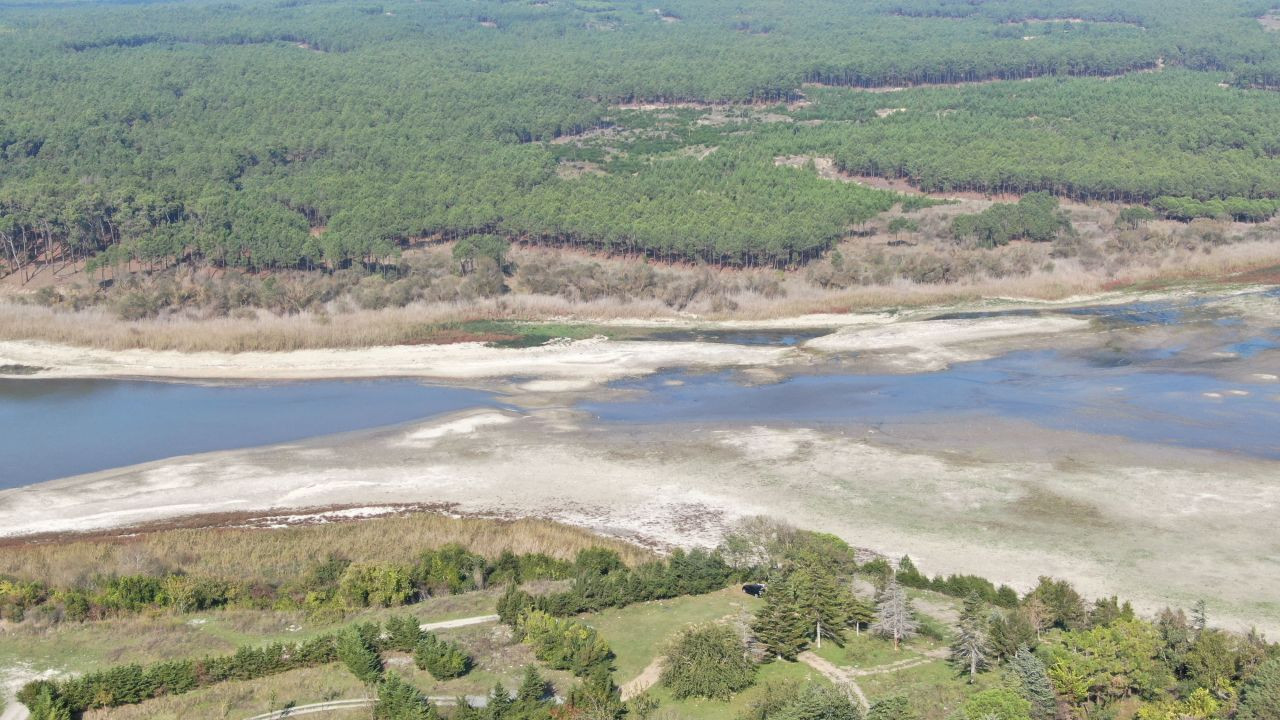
1167, 388
1101, 394
57, 428
777, 338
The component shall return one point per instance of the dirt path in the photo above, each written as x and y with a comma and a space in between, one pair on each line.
837, 675
461, 622
645, 680
15, 710
845, 677
337, 705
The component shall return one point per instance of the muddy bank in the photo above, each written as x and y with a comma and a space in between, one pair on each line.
1009, 501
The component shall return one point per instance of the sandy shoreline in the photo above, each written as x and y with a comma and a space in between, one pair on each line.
920, 345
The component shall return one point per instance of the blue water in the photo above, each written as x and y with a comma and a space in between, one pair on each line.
56, 428
1047, 388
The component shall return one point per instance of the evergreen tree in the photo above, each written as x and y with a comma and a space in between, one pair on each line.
822, 604
596, 698
971, 650
1260, 696
398, 700
708, 661
1199, 616
779, 625
500, 702
895, 618
896, 707
533, 687
403, 632
360, 657
1034, 685
49, 707
1010, 631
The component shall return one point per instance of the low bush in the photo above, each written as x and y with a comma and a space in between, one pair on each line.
709, 661
444, 660
564, 644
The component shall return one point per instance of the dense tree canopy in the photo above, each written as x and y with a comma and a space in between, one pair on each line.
324, 134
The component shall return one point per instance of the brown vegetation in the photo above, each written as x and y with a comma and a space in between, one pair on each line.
424, 299
280, 554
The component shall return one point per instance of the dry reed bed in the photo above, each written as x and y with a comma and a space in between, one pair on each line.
282, 554
339, 326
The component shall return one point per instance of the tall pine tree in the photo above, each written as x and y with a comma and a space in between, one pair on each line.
779, 625
971, 650
895, 618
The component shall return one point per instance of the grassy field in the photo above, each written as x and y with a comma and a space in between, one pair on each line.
497, 659
639, 633
85, 647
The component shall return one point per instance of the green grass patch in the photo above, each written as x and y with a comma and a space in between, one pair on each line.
639, 632
934, 689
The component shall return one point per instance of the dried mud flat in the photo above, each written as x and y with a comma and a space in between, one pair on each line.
1160, 525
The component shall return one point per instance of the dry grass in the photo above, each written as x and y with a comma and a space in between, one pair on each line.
284, 553
923, 267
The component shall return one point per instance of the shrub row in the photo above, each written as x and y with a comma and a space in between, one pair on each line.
333, 583
358, 646
127, 684
960, 586
602, 581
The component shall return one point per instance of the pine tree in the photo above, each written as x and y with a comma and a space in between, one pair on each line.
971, 649
1033, 683
1199, 616
533, 688
398, 700
822, 604
779, 625
49, 707
360, 657
500, 702
895, 618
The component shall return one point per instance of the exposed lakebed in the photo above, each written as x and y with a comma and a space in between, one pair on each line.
1190, 372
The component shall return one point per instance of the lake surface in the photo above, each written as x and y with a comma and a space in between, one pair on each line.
1090, 393
56, 428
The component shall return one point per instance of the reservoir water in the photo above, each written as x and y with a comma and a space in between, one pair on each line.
1093, 394
1161, 394
55, 428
